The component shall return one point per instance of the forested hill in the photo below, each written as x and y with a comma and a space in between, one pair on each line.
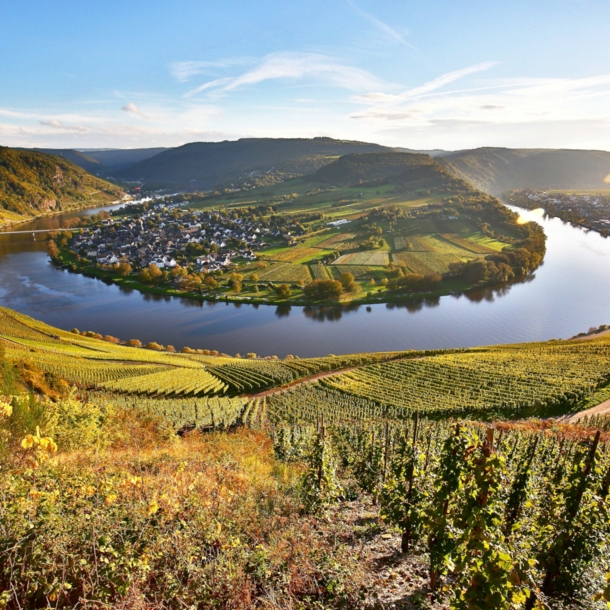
418, 171
496, 170
32, 183
103, 162
253, 161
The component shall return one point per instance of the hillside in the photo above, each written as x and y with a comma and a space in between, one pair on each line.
413, 171
34, 183
103, 162
345, 483
84, 160
483, 383
253, 161
496, 170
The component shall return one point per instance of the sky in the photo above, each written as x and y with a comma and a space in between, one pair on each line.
423, 75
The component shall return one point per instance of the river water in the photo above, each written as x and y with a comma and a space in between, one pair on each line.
568, 294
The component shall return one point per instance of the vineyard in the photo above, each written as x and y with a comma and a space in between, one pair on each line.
504, 517
364, 258
541, 379
507, 381
507, 515
93, 364
284, 272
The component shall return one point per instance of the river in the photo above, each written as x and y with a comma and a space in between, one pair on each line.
568, 294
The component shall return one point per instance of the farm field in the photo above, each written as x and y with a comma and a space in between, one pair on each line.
283, 272
93, 364
295, 254
378, 259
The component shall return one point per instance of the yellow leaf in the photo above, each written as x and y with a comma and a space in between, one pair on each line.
28, 442
48, 444
110, 498
153, 508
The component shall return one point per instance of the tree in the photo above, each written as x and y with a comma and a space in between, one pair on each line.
347, 280
52, 249
151, 275
415, 282
323, 289
124, 269
283, 291
210, 282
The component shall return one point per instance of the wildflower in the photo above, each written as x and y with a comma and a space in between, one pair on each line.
110, 499
153, 508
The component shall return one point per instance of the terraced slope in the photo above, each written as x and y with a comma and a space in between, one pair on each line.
92, 363
541, 379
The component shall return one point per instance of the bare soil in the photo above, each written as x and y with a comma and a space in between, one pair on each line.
600, 409
393, 580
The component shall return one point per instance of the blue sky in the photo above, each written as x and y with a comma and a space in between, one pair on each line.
432, 74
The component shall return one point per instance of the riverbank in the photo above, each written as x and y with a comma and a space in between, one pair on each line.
566, 295
6, 224
378, 295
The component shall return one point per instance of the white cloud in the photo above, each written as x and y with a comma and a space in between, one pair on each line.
57, 124
390, 32
183, 71
532, 101
131, 107
433, 85
296, 66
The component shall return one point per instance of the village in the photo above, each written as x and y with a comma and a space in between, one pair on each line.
167, 236
588, 210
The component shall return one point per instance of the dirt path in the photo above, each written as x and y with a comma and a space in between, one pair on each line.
601, 409
297, 382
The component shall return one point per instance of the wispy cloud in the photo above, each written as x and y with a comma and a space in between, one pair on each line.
433, 85
183, 71
133, 109
389, 31
295, 66
57, 124
516, 102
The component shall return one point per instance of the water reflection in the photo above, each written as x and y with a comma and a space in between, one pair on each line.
328, 313
283, 311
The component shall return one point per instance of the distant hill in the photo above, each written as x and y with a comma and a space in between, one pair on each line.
416, 171
103, 162
116, 159
33, 183
252, 161
496, 170
87, 162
